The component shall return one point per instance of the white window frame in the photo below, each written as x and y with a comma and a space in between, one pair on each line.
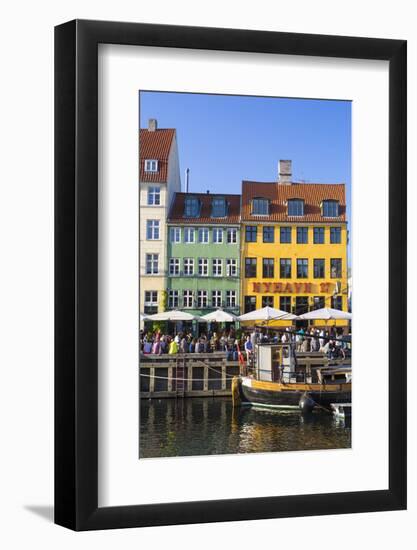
216, 298
153, 259
217, 231
205, 231
203, 267
189, 270
231, 267
174, 267
176, 233
153, 298
202, 299
173, 295
232, 231
155, 227
231, 298
189, 231
151, 165
215, 266
186, 296
154, 191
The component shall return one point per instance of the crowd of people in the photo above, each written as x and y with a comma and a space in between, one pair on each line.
330, 341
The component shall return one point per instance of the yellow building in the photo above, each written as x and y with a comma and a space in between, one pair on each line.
294, 246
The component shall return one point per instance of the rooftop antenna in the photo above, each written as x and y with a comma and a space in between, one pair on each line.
187, 179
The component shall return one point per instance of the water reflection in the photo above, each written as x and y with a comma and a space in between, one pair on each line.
205, 426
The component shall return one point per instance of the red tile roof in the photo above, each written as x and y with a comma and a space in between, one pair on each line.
278, 194
155, 145
176, 214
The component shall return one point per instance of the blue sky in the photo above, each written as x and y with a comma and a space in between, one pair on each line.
226, 139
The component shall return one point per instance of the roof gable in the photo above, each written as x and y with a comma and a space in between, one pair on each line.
155, 145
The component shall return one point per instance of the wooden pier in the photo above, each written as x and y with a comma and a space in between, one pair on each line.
198, 374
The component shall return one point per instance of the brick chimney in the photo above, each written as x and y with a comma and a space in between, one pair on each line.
152, 124
285, 172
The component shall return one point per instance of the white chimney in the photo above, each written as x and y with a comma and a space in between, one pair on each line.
152, 124
285, 172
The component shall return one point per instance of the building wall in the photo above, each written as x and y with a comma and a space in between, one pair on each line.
293, 287
208, 250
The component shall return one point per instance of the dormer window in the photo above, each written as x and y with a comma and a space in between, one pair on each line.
295, 207
218, 207
330, 209
151, 165
191, 207
260, 207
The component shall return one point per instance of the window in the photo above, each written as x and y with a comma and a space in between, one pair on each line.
295, 207
188, 266
151, 302
203, 267
250, 234
268, 268
191, 207
154, 196
250, 267
302, 235
218, 207
175, 234
250, 303
335, 235
318, 302
231, 298
202, 298
217, 267
302, 268
187, 298
174, 266
216, 298
337, 302
151, 165
285, 268
330, 209
285, 235
189, 235
152, 264
217, 235
232, 235
231, 267
285, 303
152, 230
268, 234
301, 305
318, 267
173, 298
267, 301
335, 268
203, 235
260, 207
318, 235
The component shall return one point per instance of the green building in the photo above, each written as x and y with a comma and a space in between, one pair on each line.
203, 253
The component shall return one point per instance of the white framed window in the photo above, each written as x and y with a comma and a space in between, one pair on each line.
175, 234
232, 235
203, 235
188, 266
151, 302
218, 235
202, 298
173, 298
154, 196
152, 262
189, 235
203, 267
231, 267
174, 266
152, 230
151, 165
216, 298
217, 267
231, 298
187, 298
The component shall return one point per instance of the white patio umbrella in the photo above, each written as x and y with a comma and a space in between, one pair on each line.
267, 314
173, 315
325, 314
142, 317
219, 316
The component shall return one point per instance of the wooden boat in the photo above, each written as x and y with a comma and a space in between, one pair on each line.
278, 381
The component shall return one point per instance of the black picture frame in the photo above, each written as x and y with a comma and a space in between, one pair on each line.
76, 272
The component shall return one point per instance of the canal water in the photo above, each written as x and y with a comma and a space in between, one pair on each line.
206, 426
